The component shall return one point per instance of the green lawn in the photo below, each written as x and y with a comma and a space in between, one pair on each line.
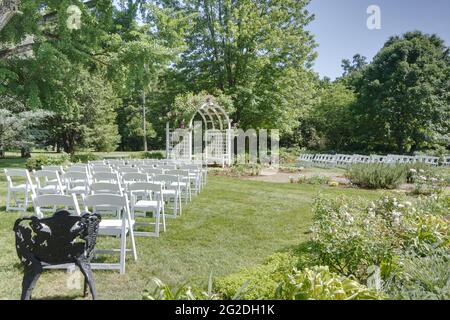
232, 224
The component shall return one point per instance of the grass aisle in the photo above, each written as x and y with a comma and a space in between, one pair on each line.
232, 224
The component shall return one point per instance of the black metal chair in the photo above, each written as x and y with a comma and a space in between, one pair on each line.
60, 239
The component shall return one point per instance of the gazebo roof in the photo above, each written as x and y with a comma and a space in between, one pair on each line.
213, 115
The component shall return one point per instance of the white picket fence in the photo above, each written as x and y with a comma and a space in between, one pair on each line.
345, 159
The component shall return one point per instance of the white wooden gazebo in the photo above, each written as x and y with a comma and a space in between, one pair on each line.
208, 140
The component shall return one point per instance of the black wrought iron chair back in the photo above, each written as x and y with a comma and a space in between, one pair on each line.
60, 239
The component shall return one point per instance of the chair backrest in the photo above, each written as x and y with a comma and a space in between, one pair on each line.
134, 177
167, 178
109, 200
152, 171
60, 169
106, 177
47, 177
77, 169
128, 170
178, 172
168, 166
101, 169
48, 200
144, 186
106, 188
18, 173
78, 178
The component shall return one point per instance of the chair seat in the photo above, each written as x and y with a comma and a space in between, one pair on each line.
146, 204
169, 192
48, 188
77, 189
112, 226
20, 187
181, 184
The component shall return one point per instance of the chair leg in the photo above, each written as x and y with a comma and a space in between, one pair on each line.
131, 233
85, 268
123, 246
25, 200
30, 277
175, 206
163, 219
157, 223
8, 200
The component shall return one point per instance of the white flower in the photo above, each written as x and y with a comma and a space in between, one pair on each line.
400, 205
421, 171
407, 203
413, 170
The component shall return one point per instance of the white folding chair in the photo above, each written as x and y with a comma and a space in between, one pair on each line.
22, 187
77, 182
48, 182
107, 188
114, 227
133, 177
147, 197
184, 183
53, 201
195, 173
171, 192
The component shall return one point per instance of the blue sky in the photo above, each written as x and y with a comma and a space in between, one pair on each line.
341, 31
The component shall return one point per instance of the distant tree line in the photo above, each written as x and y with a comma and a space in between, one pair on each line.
84, 88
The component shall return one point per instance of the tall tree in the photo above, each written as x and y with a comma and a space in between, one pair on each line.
258, 52
404, 95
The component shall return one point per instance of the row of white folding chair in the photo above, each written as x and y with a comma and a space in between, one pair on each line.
350, 159
119, 227
47, 182
173, 188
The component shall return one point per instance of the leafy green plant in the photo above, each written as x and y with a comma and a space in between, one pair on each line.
36, 162
259, 282
376, 175
162, 291
84, 157
152, 155
245, 170
319, 283
314, 180
422, 277
427, 182
350, 236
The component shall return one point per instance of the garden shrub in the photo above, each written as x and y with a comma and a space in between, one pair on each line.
376, 175
36, 162
318, 283
162, 291
259, 282
422, 277
277, 278
240, 170
152, 155
350, 236
289, 155
314, 180
84, 157
427, 182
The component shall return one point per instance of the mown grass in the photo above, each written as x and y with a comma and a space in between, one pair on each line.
232, 224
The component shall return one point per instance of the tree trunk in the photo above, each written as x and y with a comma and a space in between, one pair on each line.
2, 153
25, 153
